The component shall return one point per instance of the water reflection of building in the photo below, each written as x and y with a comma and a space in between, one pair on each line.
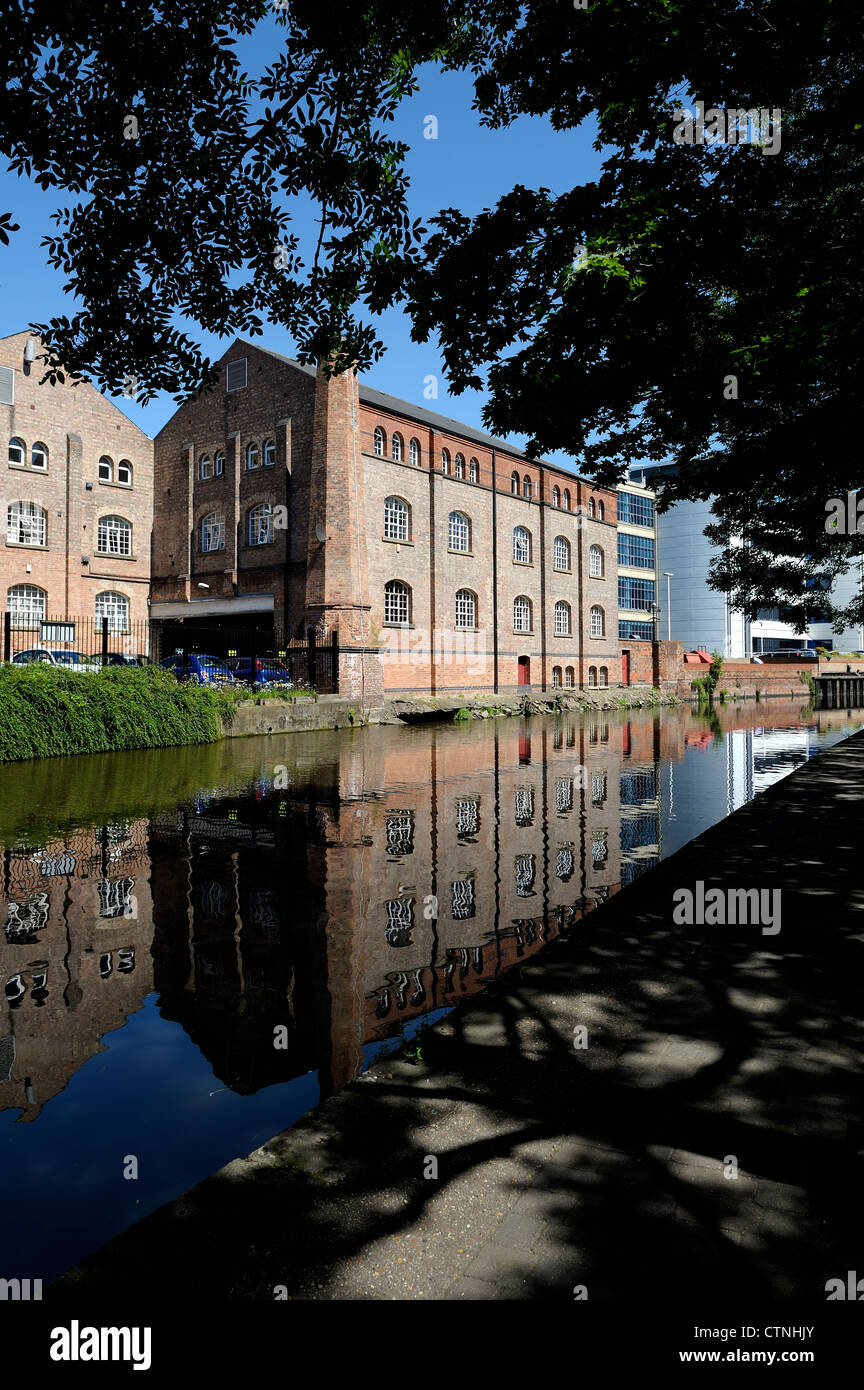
397, 876
74, 954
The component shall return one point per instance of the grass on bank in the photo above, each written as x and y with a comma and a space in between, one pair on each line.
46, 712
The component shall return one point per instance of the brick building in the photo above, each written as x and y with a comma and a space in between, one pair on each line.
78, 504
445, 560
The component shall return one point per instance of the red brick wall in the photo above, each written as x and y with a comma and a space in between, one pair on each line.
277, 404
78, 426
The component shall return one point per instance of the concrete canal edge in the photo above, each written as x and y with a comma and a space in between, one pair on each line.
269, 716
705, 1143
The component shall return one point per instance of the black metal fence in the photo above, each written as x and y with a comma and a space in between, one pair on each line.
311, 659
78, 642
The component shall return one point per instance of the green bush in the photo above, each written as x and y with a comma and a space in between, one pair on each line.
46, 712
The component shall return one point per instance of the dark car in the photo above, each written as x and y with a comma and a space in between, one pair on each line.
121, 659
259, 670
198, 666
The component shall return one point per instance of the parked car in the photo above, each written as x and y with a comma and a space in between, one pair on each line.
72, 661
121, 659
34, 654
198, 666
76, 661
259, 671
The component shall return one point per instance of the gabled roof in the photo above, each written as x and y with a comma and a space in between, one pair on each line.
78, 381
443, 423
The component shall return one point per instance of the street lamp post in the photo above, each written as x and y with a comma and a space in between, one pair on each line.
668, 576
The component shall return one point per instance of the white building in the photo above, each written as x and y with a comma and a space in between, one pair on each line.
702, 617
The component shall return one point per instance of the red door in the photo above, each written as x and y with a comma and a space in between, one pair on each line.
625, 668
524, 671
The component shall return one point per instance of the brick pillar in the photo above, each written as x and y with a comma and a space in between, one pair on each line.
337, 583
188, 448
78, 541
234, 518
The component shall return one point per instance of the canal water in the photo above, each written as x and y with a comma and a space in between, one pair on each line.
199, 944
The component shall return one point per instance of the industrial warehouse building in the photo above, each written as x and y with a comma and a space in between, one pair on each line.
286, 500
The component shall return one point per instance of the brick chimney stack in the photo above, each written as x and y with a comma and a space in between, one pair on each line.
337, 585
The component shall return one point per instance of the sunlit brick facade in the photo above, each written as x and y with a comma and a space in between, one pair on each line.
445, 560
78, 502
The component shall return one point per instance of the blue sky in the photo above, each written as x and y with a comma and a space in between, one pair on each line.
467, 167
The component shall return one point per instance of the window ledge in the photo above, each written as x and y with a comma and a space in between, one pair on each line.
518, 633
391, 540
526, 564
399, 627
452, 551
557, 571
25, 545
29, 468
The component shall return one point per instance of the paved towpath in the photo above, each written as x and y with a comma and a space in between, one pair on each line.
711, 1050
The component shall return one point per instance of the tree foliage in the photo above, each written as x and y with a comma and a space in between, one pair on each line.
713, 320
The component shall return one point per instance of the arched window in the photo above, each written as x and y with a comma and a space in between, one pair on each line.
114, 536
25, 524
17, 452
526, 486
205, 466
396, 447
603, 676
473, 471
124, 473
566, 499
212, 531
466, 608
598, 622
397, 519
521, 614
445, 460
397, 603
556, 497
592, 510
106, 469
218, 464
595, 562
26, 604
39, 456
514, 484
601, 511
414, 453
521, 545
269, 453
592, 675
562, 619
556, 676
569, 680
260, 524
459, 466
114, 607
379, 441
562, 553
253, 456
459, 532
